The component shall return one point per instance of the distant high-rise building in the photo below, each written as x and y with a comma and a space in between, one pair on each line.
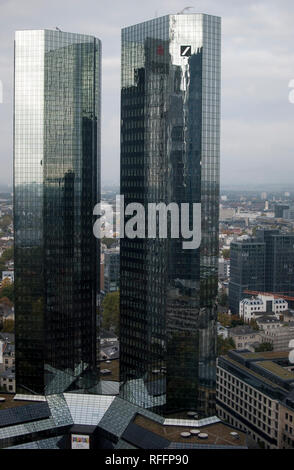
279, 261
247, 271
263, 264
281, 211
111, 271
170, 150
56, 185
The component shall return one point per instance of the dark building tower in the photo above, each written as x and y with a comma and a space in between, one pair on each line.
247, 270
263, 264
279, 264
56, 185
170, 150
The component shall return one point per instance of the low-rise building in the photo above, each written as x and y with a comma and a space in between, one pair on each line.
244, 337
255, 394
279, 337
249, 309
268, 322
7, 380
8, 275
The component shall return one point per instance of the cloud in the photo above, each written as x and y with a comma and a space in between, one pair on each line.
257, 65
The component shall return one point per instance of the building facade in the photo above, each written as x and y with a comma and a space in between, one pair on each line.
279, 261
56, 185
255, 394
251, 308
247, 270
170, 149
111, 270
245, 337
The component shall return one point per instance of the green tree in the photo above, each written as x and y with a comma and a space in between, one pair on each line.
224, 345
263, 347
110, 312
223, 299
236, 321
230, 321
226, 253
7, 291
8, 326
254, 325
7, 255
224, 319
5, 221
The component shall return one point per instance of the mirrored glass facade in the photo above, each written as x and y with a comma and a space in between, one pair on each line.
56, 185
170, 152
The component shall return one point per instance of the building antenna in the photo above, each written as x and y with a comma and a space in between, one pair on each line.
184, 9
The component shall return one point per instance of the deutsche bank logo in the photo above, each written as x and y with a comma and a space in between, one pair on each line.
186, 51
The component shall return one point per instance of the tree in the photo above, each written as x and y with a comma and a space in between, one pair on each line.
223, 299
8, 326
110, 312
7, 255
224, 345
236, 321
254, 325
230, 321
7, 291
226, 253
224, 319
5, 221
263, 347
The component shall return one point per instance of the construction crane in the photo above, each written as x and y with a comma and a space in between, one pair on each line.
184, 9
275, 295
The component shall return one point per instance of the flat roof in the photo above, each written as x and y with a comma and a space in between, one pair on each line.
218, 433
254, 373
276, 369
113, 366
10, 403
266, 355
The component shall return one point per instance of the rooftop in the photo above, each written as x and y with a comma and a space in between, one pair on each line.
113, 366
276, 369
265, 355
218, 433
10, 403
267, 319
242, 330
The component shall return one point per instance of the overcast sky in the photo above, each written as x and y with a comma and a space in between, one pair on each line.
257, 66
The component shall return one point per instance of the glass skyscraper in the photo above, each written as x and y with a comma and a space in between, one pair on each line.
56, 185
247, 270
170, 152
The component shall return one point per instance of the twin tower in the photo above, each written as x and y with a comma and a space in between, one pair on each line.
170, 152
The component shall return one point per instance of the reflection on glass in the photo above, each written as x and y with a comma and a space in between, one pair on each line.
56, 184
170, 150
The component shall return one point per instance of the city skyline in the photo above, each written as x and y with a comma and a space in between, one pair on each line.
257, 68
